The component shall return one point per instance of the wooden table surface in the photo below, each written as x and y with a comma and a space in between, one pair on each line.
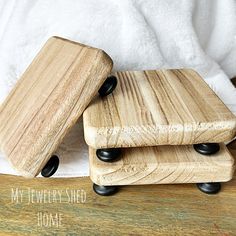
135, 210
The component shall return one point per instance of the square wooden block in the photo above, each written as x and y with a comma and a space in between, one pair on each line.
162, 165
163, 107
47, 101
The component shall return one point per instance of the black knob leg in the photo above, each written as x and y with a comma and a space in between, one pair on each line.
108, 86
209, 188
51, 167
207, 148
105, 190
109, 155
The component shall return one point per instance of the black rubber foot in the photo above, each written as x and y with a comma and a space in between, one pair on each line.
108, 86
108, 155
207, 148
209, 188
51, 167
105, 190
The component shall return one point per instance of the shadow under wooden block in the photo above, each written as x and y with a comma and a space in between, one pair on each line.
162, 165
233, 80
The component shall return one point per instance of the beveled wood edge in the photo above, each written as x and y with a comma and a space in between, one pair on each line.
82, 45
94, 135
96, 175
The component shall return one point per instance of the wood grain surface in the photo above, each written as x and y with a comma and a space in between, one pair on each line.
162, 107
47, 101
135, 210
162, 165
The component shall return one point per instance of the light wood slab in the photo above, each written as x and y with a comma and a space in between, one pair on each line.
47, 101
162, 165
162, 107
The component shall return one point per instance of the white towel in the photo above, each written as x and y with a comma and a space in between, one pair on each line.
137, 34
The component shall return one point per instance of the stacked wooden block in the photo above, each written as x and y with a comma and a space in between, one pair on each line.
159, 127
48, 100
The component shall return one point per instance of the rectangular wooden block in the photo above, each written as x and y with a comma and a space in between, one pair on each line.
47, 101
163, 107
162, 165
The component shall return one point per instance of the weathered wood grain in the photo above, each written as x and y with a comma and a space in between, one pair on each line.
135, 210
47, 101
162, 107
162, 165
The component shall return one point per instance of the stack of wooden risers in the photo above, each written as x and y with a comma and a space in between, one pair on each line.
159, 127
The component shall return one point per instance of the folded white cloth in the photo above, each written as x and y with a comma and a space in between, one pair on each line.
137, 34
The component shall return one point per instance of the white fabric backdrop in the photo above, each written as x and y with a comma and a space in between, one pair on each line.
137, 34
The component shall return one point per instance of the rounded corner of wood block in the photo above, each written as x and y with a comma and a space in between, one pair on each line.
23, 166
27, 175
90, 136
24, 173
53, 37
233, 129
108, 58
94, 177
228, 177
229, 170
